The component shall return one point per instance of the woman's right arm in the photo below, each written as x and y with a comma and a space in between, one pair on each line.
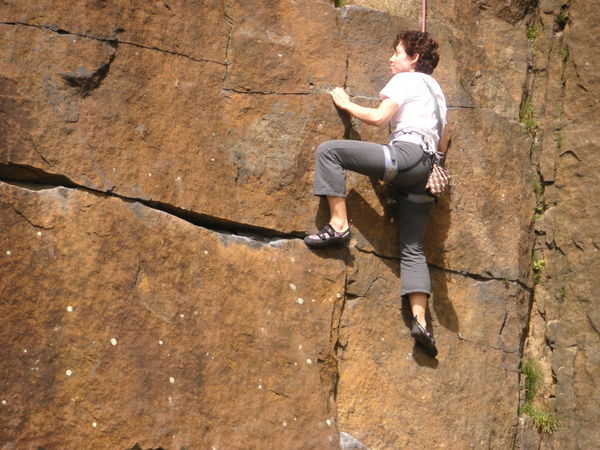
378, 117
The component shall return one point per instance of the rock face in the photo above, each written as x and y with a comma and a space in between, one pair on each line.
156, 163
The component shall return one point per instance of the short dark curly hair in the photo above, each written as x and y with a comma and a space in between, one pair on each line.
418, 42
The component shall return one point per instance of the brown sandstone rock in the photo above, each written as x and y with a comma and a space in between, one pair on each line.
192, 107
392, 395
125, 325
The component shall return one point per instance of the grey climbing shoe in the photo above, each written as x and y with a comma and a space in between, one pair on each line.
328, 236
423, 337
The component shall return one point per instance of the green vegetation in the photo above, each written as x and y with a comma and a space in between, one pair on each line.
564, 54
527, 117
561, 20
531, 32
545, 421
340, 3
559, 142
538, 188
538, 265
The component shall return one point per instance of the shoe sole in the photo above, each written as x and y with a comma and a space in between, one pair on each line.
325, 243
425, 343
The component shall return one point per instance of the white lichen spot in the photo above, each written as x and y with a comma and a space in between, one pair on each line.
149, 174
171, 380
300, 300
69, 308
8, 253
170, 402
292, 259
207, 353
295, 363
284, 423
39, 233
178, 179
260, 386
160, 342
94, 424
4, 402
181, 315
293, 287
113, 341
338, 295
295, 418
328, 422
280, 55
313, 300
309, 361
300, 347
206, 252
212, 159
69, 372
383, 339
269, 312
263, 330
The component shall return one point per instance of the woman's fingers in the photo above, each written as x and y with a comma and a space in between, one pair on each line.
339, 95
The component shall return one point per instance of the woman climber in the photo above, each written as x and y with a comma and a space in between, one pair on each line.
413, 104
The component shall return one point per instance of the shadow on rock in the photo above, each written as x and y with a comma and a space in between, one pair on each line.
435, 237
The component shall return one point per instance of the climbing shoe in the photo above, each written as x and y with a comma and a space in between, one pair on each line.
423, 338
328, 236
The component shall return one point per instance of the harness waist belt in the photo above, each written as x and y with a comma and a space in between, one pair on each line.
413, 138
417, 198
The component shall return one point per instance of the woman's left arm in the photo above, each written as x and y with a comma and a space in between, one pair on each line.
373, 116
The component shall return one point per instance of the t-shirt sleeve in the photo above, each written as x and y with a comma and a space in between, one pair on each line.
395, 89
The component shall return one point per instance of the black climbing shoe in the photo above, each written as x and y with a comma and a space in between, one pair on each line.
423, 337
328, 236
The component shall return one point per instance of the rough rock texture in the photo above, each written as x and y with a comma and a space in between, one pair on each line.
564, 335
127, 325
149, 133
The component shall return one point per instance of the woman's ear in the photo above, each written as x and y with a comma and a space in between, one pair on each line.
415, 58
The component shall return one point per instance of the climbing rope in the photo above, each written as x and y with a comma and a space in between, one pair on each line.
423, 15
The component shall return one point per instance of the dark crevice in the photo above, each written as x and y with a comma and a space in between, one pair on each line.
250, 92
112, 41
33, 178
86, 81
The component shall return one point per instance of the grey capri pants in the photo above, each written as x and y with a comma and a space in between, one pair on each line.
368, 158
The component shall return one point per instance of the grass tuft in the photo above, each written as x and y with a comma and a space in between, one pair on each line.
545, 421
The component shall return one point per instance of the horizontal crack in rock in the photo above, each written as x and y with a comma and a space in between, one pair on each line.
475, 276
113, 40
460, 338
247, 92
33, 178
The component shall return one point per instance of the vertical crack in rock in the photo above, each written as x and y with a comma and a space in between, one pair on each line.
329, 363
229, 20
534, 106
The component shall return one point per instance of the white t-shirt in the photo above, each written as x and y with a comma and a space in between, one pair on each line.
416, 106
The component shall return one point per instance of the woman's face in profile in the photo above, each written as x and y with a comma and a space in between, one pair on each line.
401, 62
